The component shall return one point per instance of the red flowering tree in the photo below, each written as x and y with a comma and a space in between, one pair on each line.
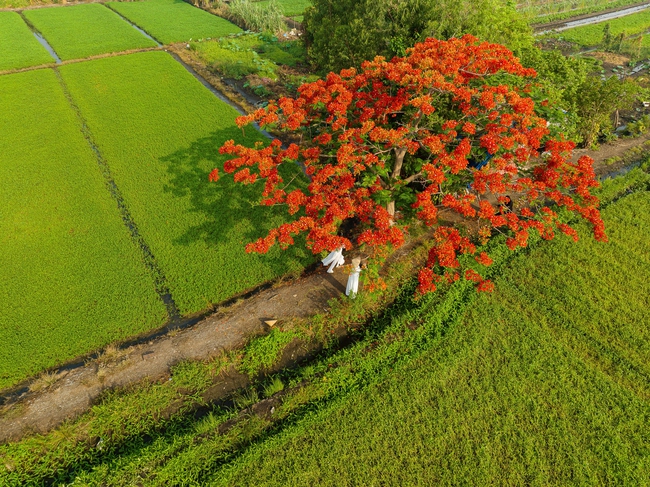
434, 133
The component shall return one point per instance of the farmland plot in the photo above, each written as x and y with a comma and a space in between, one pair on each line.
159, 130
71, 280
86, 30
544, 382
591, 35
18, 46
174, 20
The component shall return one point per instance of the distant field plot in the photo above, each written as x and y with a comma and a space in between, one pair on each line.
291, 8
86, 30
159, 130
549, 10
174, 20
18, 46
591, 35
71, 280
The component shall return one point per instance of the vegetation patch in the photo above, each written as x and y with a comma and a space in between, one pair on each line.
18, 46
592, 35
174, 20
71, 280
290, 8
158, 129
86, 30
245, 54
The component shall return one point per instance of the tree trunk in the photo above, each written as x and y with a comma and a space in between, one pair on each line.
400, 152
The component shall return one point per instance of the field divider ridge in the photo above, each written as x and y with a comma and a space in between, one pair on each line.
133, 24
160, 281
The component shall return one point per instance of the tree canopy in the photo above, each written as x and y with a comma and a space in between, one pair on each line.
345, 33
424, 137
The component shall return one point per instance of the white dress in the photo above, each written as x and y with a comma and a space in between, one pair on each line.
335, 258
353, 282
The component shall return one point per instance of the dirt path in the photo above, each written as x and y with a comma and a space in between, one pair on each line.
69, 393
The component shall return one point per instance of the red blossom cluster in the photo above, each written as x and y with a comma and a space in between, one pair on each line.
420, 123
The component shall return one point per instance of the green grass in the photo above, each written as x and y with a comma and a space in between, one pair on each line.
174, 20
592, 35
544, 382
81, 31
290, 8
159, 130
18, 46
71, 280
241, 55
453, 388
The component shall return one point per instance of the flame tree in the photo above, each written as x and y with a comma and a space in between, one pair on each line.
437, 132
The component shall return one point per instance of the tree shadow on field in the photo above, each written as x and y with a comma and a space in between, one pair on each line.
228, 211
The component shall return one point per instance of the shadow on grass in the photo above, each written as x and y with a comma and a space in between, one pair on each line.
230, 212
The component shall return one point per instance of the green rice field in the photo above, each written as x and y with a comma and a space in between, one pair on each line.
160, 155
543, 382
592, 35
71, 280
82, 31
18, 46
174, 20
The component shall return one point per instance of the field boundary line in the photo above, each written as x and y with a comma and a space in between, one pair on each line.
81, 60
160, 281
133, 24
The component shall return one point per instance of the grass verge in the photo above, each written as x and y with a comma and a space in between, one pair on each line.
82, 31
71, 280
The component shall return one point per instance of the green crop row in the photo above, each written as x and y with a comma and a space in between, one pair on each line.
592, 35
71, 280
86, 30
18, 46
159, 131
174, 20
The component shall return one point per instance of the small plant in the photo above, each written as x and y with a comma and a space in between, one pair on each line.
640, 126
274, 387
245, 398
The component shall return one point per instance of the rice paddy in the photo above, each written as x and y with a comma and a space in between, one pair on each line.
71, 281
82, 31
174, 20
18, 46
